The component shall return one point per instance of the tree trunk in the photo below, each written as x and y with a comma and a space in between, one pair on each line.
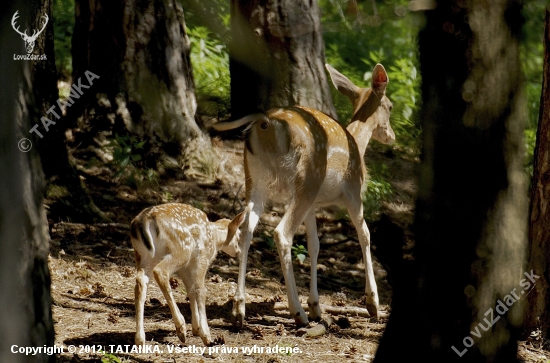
76, 205
277, 57
471, 210
538, 315
140, 52
25, 317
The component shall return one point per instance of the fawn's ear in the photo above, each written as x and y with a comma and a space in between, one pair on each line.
234, 225
231, 247
379, 80
342, 83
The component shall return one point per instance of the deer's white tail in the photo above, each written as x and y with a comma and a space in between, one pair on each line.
142, 232
225, 126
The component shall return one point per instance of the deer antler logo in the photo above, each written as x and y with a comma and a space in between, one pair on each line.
29, 40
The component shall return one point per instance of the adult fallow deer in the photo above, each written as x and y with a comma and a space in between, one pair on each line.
307, 158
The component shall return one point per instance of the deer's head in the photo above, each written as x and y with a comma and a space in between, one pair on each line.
29, 40
369, 104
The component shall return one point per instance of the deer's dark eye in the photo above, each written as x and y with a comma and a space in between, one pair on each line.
264, 125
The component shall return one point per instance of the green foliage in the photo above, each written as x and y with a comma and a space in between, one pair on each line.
299, 252
405, 98
210, 61
211, 14
167, 197
356, 41
268, 238
207, 25
197, 204
531, 54
63, 22
109, 358
284, 352
378, 191
126, 154
530, 142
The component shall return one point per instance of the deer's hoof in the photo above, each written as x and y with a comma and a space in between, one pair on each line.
237, 320
207, 341
140, 339
181, 331
372, 308
301, 319
314, 311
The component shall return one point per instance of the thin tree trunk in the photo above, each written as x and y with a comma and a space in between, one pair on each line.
277, 56
76, 205
471, 210
538, 315
25, 317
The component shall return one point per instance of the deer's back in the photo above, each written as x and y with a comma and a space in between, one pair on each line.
175, 229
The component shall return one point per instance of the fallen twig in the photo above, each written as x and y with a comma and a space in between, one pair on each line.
116, 225
335, 310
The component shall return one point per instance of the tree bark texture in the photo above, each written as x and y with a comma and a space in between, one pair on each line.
25, 317
140, 51
277, 57
76, 205
471, 209
538, 315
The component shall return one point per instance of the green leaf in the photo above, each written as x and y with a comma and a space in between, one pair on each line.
139, 145
124, 162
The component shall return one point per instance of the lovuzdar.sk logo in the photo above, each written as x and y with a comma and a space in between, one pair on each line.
28, 39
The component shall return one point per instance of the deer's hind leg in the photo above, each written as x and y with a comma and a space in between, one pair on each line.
162, 272
283, 235
255, 208
313, 252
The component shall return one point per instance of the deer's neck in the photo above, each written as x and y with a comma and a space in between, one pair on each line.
362, 133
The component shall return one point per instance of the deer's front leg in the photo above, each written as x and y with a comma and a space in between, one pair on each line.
371, 292
239, 301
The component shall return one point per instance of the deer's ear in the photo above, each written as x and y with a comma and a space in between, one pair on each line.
342, 83
379, 80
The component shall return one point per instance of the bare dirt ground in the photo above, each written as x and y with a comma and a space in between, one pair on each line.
92, 269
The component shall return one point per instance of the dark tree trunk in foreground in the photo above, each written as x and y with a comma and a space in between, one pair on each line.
25, 316
75, 206
538, 315
140, 52
277, 56
462, 300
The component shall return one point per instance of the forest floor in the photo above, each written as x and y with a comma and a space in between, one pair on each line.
93, 276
